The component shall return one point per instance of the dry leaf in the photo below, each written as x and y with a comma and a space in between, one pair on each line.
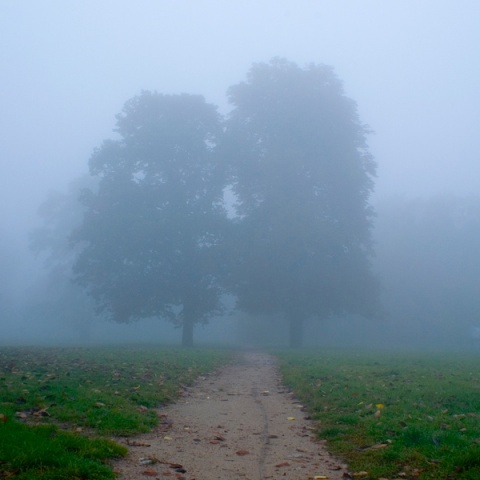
150, 473
242, 452
133, 443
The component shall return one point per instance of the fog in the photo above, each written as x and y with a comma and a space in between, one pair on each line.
412, 67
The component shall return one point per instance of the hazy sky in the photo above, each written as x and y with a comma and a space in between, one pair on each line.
67, 67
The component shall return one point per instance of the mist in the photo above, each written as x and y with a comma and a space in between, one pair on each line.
412, 68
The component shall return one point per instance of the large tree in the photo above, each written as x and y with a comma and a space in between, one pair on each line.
151, 233
302, 176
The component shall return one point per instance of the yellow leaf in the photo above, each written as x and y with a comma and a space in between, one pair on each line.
291, 418
380, 405
167, 438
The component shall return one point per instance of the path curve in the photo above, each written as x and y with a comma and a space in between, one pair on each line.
237, 424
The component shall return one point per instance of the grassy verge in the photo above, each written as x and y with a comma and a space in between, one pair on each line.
109, 391
393, 415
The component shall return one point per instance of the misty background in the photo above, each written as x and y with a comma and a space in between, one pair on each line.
412, 67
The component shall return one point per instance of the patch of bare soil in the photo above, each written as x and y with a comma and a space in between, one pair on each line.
239, 423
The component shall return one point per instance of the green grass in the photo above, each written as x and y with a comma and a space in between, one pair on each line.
50, 396
393, 415
43, 452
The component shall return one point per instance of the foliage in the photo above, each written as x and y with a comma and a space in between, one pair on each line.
393, 415
436, 302
53, 296
152, 231
302, 176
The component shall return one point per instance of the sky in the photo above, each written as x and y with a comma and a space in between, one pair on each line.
67, 68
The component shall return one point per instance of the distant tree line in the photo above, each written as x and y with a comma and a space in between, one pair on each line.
428, 259
269, 204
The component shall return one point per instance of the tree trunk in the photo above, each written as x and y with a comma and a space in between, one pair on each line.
295, 331
187, 331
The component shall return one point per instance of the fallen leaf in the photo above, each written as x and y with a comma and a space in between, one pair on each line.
291, 418
9, 473
283, 464
360, 474
379, 446
41, 413
148, 461
242, 452
133, 443
150, 473
167, 438
377, 414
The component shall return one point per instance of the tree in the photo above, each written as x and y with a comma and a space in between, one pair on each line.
152, 233
428, 256
302, 176
8, 271
54, 296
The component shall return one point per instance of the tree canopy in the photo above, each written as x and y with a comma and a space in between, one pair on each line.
302, 176
156, 240
151, 232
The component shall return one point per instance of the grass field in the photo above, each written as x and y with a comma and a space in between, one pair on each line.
51, 397
393, 415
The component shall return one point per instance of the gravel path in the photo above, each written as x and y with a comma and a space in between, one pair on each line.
239, 423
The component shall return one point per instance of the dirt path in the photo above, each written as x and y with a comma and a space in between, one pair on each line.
239, 423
